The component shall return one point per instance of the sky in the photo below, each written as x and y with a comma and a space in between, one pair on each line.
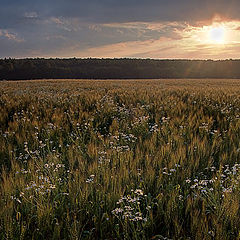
162, 29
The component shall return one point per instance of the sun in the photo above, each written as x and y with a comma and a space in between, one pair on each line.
217, 35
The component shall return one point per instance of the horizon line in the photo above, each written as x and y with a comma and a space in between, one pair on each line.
122, 58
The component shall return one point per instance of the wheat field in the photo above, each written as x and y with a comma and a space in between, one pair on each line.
120, 159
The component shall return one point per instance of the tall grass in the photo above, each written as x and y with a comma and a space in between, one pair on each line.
155, 159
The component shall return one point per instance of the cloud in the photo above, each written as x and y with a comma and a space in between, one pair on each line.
172, 40
10, 36
127, 49
30, 15
69, 37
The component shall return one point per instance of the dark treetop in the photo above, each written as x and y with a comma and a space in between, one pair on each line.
17, 69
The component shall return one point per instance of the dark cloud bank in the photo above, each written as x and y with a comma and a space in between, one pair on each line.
11, 12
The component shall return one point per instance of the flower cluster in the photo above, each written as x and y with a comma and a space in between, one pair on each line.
132, 207
42, 180
226, 179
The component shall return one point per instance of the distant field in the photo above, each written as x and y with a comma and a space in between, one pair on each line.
120, 159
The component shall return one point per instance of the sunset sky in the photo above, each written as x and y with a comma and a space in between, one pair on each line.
195, 29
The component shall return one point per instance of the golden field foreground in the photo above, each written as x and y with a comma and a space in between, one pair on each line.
120, 159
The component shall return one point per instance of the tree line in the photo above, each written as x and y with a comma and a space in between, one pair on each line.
40, 68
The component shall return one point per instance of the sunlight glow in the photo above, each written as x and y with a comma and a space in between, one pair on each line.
217, 35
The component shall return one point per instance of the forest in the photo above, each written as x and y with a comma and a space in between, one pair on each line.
126, 68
